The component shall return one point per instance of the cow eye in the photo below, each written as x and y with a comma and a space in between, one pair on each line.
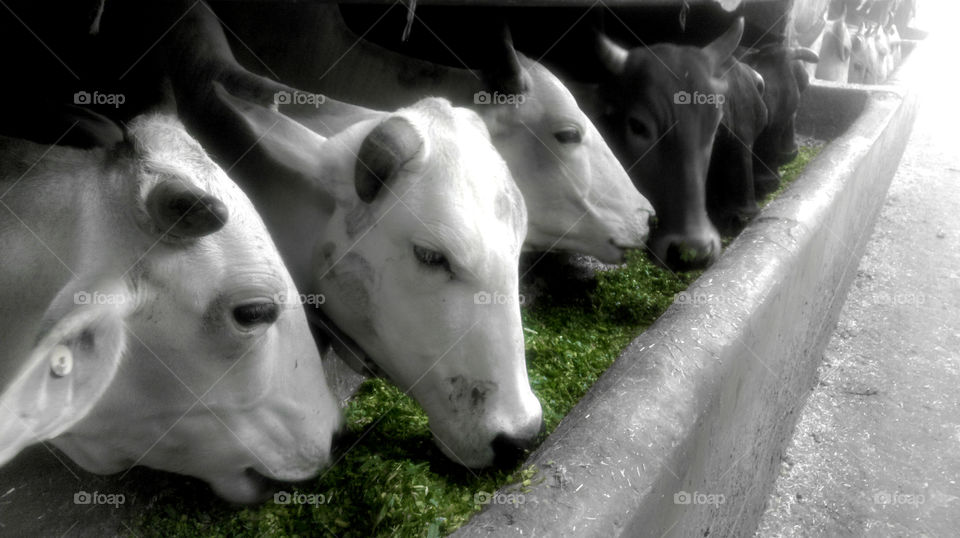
431, 258
638, 128
568, 136
251, 315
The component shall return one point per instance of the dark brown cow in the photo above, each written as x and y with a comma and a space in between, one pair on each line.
731, 200
782, 70
661, 108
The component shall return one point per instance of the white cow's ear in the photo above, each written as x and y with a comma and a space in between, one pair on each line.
387, 148
66, 372
285, 142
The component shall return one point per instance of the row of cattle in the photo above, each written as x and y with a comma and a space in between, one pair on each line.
859, 41
160, 288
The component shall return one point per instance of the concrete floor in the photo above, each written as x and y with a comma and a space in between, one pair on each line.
877, 448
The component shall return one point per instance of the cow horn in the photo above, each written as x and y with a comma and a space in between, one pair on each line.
757, 79
724, 46
612, 56
383, 152
804, 54
505, 73
183, 211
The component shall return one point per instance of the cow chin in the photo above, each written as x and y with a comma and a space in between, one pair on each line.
475, 455
244, 487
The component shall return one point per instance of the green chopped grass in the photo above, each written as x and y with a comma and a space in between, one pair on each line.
394, 481
791, 171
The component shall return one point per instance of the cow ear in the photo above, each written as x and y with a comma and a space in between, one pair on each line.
67, 371
390, 145
180, 210
613, 57
285, 142
723, 47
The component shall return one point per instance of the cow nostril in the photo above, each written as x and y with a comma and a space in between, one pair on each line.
507, 450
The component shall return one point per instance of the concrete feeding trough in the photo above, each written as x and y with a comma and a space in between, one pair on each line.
683, 434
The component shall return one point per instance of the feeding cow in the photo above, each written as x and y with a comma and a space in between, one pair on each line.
785, 79
835, 50
661, 108
140, 317
579, 198
731, 200
407, 223
866, 65
896, 43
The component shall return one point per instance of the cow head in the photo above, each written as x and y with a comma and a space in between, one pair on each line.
865, 64
782, 70
417, 262
173, 346
896, 43
835, 51
578, 196
884, 53
662, 107
731, 199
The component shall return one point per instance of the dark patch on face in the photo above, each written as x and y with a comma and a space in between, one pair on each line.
469, 396
325, 255
358, 219
504, 207
87, 340
353, 276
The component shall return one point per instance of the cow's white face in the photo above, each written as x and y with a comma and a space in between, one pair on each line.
835, 51
423, 276
579, 197
218, 375
865, 65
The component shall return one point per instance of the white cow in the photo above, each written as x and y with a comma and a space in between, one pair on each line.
410, 227
578, 196
407, 223
835, 51
142, 318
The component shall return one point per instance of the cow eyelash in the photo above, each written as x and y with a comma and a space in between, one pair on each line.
253, 314
431, 258
568, 136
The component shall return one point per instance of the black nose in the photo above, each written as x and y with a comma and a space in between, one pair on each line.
508, 450
690, 253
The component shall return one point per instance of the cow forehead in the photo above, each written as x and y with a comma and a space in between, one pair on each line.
164, 150
550, 97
